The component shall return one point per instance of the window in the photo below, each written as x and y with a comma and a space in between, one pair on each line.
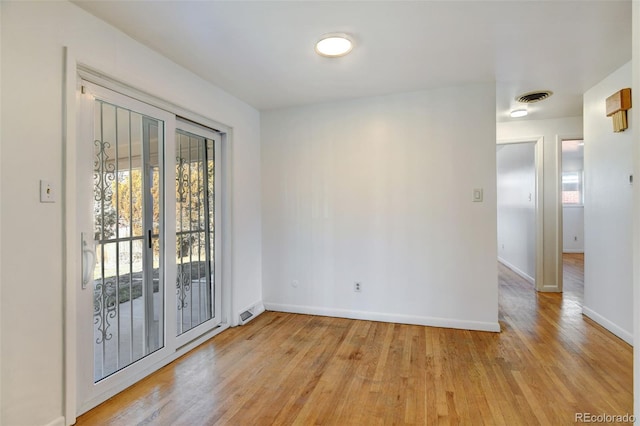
572, 188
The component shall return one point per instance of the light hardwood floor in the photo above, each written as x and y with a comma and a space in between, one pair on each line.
548, 363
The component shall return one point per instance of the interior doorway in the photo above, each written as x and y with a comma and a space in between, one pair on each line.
572, 195
571, 169
519, 207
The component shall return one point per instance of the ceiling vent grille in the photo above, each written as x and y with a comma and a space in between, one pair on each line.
531, 97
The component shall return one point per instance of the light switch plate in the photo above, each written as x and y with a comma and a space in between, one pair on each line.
477, 195
47, 192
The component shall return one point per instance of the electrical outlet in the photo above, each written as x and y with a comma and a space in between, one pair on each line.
357, 287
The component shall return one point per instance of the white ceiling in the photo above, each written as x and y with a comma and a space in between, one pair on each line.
263, 52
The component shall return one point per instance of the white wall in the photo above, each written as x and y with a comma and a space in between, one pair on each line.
379, 190
550, 131
573, 229
608, 218
33, 36
516, 195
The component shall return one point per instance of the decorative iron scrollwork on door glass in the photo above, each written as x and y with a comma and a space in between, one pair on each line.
126, 198
195, 207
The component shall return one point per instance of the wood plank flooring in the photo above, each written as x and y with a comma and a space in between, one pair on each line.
548, 363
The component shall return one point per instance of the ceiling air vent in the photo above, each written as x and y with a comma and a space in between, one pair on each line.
531, 97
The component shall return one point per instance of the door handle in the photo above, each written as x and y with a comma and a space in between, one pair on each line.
87, 265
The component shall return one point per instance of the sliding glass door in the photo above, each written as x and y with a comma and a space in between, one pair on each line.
127, 277
148, 198
197, 237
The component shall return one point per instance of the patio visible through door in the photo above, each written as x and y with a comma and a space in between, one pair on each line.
148, 202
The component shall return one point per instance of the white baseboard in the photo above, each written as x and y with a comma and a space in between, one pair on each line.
517, 270
612, 327
384, 317
573, 251
59, 421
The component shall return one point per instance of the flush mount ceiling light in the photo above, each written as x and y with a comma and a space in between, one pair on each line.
334, 45
517, 113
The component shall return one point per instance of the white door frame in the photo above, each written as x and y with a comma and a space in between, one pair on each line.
74, 70
538, 142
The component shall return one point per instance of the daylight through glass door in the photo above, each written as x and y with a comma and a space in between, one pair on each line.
195, 230
128, 296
